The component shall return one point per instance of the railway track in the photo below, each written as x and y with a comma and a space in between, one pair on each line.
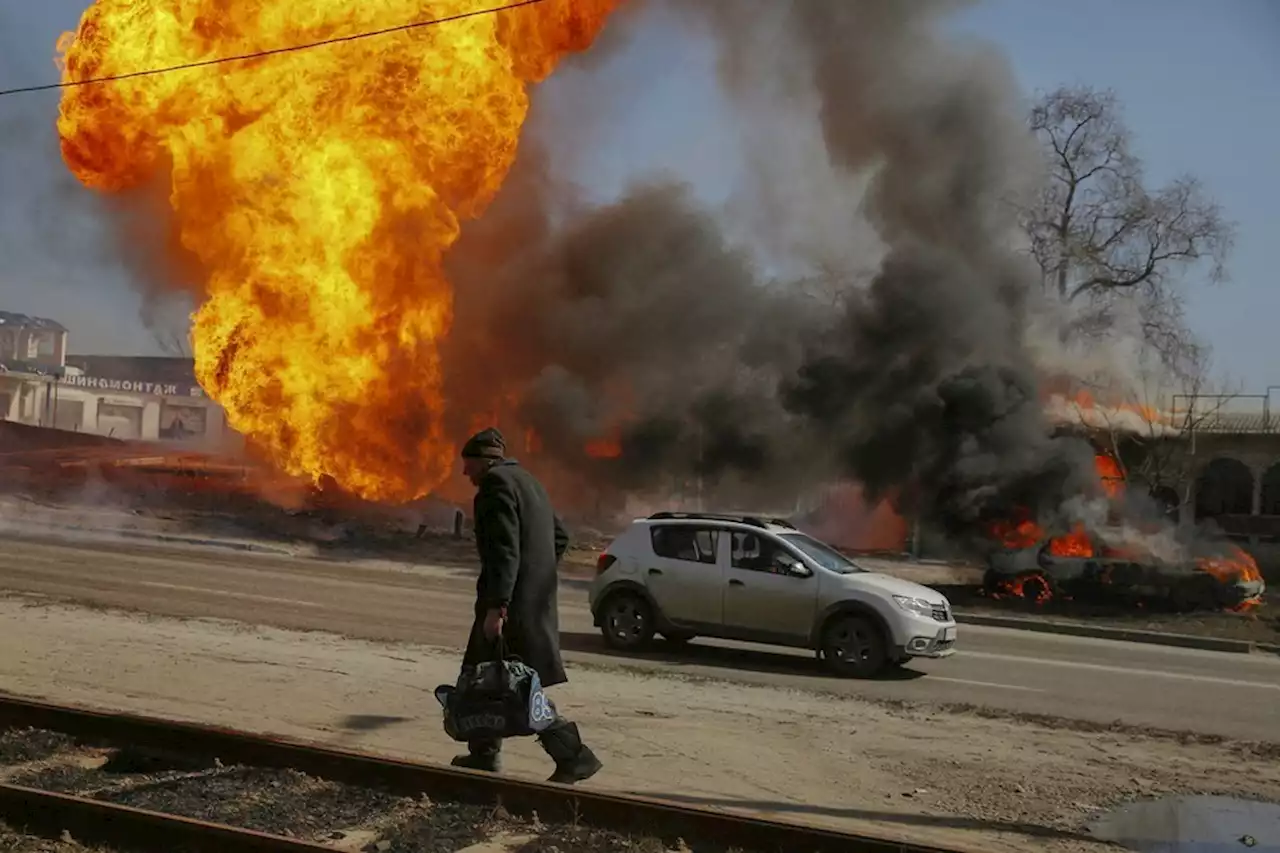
71, 762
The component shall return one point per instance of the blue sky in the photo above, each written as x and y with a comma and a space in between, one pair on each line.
1200, 82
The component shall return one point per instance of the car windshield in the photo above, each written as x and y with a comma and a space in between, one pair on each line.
821, 553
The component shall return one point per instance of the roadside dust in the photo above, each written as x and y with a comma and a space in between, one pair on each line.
912, 772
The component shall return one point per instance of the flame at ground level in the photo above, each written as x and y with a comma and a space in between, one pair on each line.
318, 191
1033, 587
1021, 533
1235, 564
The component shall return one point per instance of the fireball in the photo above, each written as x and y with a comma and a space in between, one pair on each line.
319, 190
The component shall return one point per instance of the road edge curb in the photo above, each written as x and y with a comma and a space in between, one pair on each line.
225, 544
74, 535
1132, 635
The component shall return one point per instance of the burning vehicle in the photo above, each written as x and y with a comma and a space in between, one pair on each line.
1082, 565
1118, 560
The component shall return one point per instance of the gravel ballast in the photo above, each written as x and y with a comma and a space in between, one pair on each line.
278, 801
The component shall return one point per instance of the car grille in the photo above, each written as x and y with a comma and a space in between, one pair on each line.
941, 613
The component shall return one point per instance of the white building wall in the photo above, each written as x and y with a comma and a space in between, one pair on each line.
35, 401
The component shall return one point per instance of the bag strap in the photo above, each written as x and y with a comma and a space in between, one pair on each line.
499, 648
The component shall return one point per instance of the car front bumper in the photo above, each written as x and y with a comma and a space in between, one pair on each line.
928, 638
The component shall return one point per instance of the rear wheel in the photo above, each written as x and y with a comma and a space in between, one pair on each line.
627, 621
1036, 587
854, 647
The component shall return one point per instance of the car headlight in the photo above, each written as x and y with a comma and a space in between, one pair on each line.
918, 606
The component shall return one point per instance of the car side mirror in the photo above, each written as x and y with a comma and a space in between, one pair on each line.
791, 566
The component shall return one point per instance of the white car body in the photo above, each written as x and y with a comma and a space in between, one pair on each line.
762, 581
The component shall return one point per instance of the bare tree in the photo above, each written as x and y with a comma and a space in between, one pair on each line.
1100, 235
172, 342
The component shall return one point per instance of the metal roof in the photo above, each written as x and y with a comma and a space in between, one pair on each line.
1238, 423
8, 318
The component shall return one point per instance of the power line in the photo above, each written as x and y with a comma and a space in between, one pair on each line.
68, 84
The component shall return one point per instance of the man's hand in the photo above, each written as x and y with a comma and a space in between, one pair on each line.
493, 620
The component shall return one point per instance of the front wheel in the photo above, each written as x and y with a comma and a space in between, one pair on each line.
854, 647
627, 621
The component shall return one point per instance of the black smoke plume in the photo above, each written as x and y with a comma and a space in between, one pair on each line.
642, 317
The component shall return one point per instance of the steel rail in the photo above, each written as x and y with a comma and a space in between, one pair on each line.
628, 813
126, 828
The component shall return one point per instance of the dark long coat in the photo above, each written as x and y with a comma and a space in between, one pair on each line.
521, 540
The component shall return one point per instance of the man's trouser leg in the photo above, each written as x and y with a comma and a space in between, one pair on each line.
481, 755
575, 762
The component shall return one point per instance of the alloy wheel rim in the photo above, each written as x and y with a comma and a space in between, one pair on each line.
626, 621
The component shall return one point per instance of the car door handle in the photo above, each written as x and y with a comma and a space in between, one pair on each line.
655, 571
736, 583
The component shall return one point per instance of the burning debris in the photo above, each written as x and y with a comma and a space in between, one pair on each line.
1141, 562
1079, 566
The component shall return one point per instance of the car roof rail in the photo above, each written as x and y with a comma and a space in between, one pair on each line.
754, 521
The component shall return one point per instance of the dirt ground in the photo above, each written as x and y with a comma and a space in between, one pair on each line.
929, 774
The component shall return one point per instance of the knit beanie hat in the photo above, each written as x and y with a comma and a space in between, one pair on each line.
486, 444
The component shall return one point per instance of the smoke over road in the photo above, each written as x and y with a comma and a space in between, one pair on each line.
642, 321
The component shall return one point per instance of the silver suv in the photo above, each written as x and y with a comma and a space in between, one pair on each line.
758, 580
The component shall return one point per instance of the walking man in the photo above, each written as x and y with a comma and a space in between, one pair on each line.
521, 540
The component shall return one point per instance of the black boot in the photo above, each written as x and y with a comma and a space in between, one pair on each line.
574, 761
481, 755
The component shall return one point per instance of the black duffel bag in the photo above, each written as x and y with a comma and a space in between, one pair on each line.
500, 698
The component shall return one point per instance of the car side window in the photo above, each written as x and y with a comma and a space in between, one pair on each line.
757, 553
686, 542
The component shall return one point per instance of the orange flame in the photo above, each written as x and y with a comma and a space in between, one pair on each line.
604, 448
1024, 533
1110, 473
320, 190
1085, 400
1016, 535
1033, 587
1074, 544
1236, 563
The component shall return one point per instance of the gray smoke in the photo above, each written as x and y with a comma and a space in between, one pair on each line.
925, 384
918, 385
637, 322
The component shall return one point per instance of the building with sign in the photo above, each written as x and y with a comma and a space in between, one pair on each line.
147, 398
127, 397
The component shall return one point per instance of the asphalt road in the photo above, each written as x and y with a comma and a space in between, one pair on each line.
1216, 693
